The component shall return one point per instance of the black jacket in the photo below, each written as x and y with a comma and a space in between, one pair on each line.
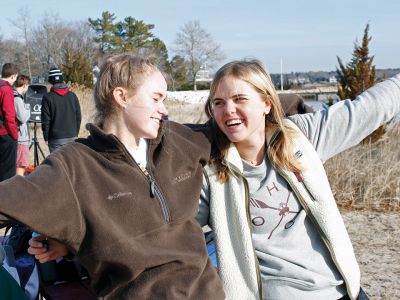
61, 113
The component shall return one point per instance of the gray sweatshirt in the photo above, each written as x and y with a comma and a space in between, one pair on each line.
22, 113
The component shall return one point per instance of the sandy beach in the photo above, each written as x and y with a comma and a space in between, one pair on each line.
376, 241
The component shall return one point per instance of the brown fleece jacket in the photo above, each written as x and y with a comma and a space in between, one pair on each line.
136, 234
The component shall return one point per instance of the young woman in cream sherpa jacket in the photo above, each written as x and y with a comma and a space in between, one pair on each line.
278, 232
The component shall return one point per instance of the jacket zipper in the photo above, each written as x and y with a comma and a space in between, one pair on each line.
246, 187
155, 191
310, 215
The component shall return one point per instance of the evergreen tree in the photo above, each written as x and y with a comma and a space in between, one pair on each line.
359, 74
105, 30
178, 72
77, 68
157, 52
133, 35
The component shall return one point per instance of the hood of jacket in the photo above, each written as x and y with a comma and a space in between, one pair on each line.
60, 89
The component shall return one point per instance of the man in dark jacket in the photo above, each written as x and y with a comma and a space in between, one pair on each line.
61, 112
8, 127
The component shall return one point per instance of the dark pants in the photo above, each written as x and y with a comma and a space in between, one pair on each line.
55, 144
8, 157
361, 296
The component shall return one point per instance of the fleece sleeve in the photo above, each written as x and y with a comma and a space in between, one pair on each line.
44, 201
347, 123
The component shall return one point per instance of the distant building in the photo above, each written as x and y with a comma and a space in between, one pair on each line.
299, 80
203, 75
333, 79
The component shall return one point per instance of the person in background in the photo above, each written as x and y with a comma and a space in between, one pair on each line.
22, 113
278, 231
8, 127
60, 112
293, 104
124, 200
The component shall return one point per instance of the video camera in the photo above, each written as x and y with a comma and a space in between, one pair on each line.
34, 97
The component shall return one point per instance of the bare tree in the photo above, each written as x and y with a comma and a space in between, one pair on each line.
22, 24
197, 47
79, 54
49, 40
11, 50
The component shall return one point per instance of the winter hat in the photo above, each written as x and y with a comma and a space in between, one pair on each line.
55, 75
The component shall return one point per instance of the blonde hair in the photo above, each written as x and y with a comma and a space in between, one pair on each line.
123, 70
253, 73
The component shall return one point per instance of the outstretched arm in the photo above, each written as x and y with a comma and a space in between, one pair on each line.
44, 201
347, 123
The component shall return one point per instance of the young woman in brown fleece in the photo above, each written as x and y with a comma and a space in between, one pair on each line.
124, 200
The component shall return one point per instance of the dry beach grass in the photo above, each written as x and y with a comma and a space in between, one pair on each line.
366, 184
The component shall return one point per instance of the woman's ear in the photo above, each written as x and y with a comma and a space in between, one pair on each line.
268, 105
120, 96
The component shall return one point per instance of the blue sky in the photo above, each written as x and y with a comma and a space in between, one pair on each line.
306, 35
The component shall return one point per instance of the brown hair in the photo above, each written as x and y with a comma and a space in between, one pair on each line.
123, 70
253, 73
21, 80
8, 70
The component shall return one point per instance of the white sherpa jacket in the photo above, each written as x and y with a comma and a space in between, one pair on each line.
230, 219
228, 205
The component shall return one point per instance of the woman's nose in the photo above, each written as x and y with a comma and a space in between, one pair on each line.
230, 107
162, 109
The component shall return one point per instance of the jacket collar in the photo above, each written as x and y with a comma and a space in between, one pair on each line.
233, 157
109, 143
60, 89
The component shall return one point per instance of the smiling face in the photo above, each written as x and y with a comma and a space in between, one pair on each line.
144, 109
239, 111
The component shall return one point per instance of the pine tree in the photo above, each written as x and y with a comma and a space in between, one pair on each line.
105, 30
357, 76
133, 35
77, 68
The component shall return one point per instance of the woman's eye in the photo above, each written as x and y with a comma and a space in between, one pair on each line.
217, 103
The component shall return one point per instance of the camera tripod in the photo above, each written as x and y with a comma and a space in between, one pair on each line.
36, 146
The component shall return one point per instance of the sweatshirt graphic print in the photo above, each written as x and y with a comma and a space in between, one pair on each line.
286, 241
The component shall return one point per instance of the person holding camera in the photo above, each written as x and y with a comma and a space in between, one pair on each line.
60, 113
22, 113
8, 126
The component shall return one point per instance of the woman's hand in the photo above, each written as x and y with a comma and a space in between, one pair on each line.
45, 249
